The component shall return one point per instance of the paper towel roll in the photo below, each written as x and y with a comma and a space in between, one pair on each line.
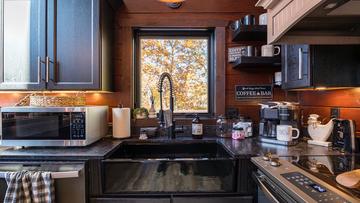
121, 122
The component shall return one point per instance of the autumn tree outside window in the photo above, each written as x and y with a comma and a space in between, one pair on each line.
187, 56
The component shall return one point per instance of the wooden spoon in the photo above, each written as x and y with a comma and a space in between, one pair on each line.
349, 179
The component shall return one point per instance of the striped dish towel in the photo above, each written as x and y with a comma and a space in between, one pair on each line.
29, 187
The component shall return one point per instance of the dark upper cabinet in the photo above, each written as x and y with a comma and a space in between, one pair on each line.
314, 66
61, 45
22, 44
295, 66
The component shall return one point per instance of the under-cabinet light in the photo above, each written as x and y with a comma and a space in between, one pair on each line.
320, 88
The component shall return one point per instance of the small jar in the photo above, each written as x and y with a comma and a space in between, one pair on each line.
238, 133
223, 127
246, 125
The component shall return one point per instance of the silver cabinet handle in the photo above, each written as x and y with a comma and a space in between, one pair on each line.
300, 63
48, 61
47, 69
39, 62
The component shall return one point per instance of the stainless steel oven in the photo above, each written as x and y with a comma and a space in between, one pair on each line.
52, 126
304, 179
269, 191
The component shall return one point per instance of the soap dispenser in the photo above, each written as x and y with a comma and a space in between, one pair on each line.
197, 128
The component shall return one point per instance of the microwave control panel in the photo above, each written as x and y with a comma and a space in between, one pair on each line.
78, 126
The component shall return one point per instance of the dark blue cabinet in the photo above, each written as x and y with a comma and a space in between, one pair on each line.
22, 44
73, 44
63, 41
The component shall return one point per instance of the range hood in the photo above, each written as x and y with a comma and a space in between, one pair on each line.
313, 21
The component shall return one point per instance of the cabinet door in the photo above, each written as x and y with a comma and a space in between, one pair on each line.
243, 199
74, 44
296, 66
22, 42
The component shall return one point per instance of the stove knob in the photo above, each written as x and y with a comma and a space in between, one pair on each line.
275, 162
267, 157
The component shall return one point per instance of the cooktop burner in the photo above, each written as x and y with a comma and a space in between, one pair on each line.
328, 167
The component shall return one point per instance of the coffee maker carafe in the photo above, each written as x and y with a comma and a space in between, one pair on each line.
277, 113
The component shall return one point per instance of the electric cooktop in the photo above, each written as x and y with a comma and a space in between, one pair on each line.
327, 168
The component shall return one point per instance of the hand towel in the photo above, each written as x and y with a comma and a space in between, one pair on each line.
28, 187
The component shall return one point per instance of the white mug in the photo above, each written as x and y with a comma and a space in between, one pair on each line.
284, 133
263, 19
270, 50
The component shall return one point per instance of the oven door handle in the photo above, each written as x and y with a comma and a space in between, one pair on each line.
262, 186
56, 175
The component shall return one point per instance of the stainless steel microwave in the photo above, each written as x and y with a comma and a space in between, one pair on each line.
52, 126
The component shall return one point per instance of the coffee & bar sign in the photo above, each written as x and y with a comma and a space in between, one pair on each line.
253, 92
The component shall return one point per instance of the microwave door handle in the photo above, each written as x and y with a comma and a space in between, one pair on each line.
264, 189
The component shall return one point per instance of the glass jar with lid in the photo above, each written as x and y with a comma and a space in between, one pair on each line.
223, 127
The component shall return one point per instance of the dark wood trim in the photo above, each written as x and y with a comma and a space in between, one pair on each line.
192, 6
220, 64
172, 19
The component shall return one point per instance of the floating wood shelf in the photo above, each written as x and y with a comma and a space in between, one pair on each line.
250, 33
257, 61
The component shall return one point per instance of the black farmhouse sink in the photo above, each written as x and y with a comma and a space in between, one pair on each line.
170, 150
169, 167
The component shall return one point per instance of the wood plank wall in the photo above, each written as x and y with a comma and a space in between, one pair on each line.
193, 13
320, 102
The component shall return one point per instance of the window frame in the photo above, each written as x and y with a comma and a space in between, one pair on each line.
169, 32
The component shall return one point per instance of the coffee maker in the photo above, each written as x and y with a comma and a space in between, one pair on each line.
277, 113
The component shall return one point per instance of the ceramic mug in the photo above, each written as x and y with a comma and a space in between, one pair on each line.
236, 25
263, 19
250, 51
284, 133
270, 50
249, 20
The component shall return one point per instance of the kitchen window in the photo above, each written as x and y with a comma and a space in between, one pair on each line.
187, 56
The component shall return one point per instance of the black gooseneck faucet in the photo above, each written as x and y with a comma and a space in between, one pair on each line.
170, 129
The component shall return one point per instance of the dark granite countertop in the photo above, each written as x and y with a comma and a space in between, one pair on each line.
101, 149
96, 150
252, 147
